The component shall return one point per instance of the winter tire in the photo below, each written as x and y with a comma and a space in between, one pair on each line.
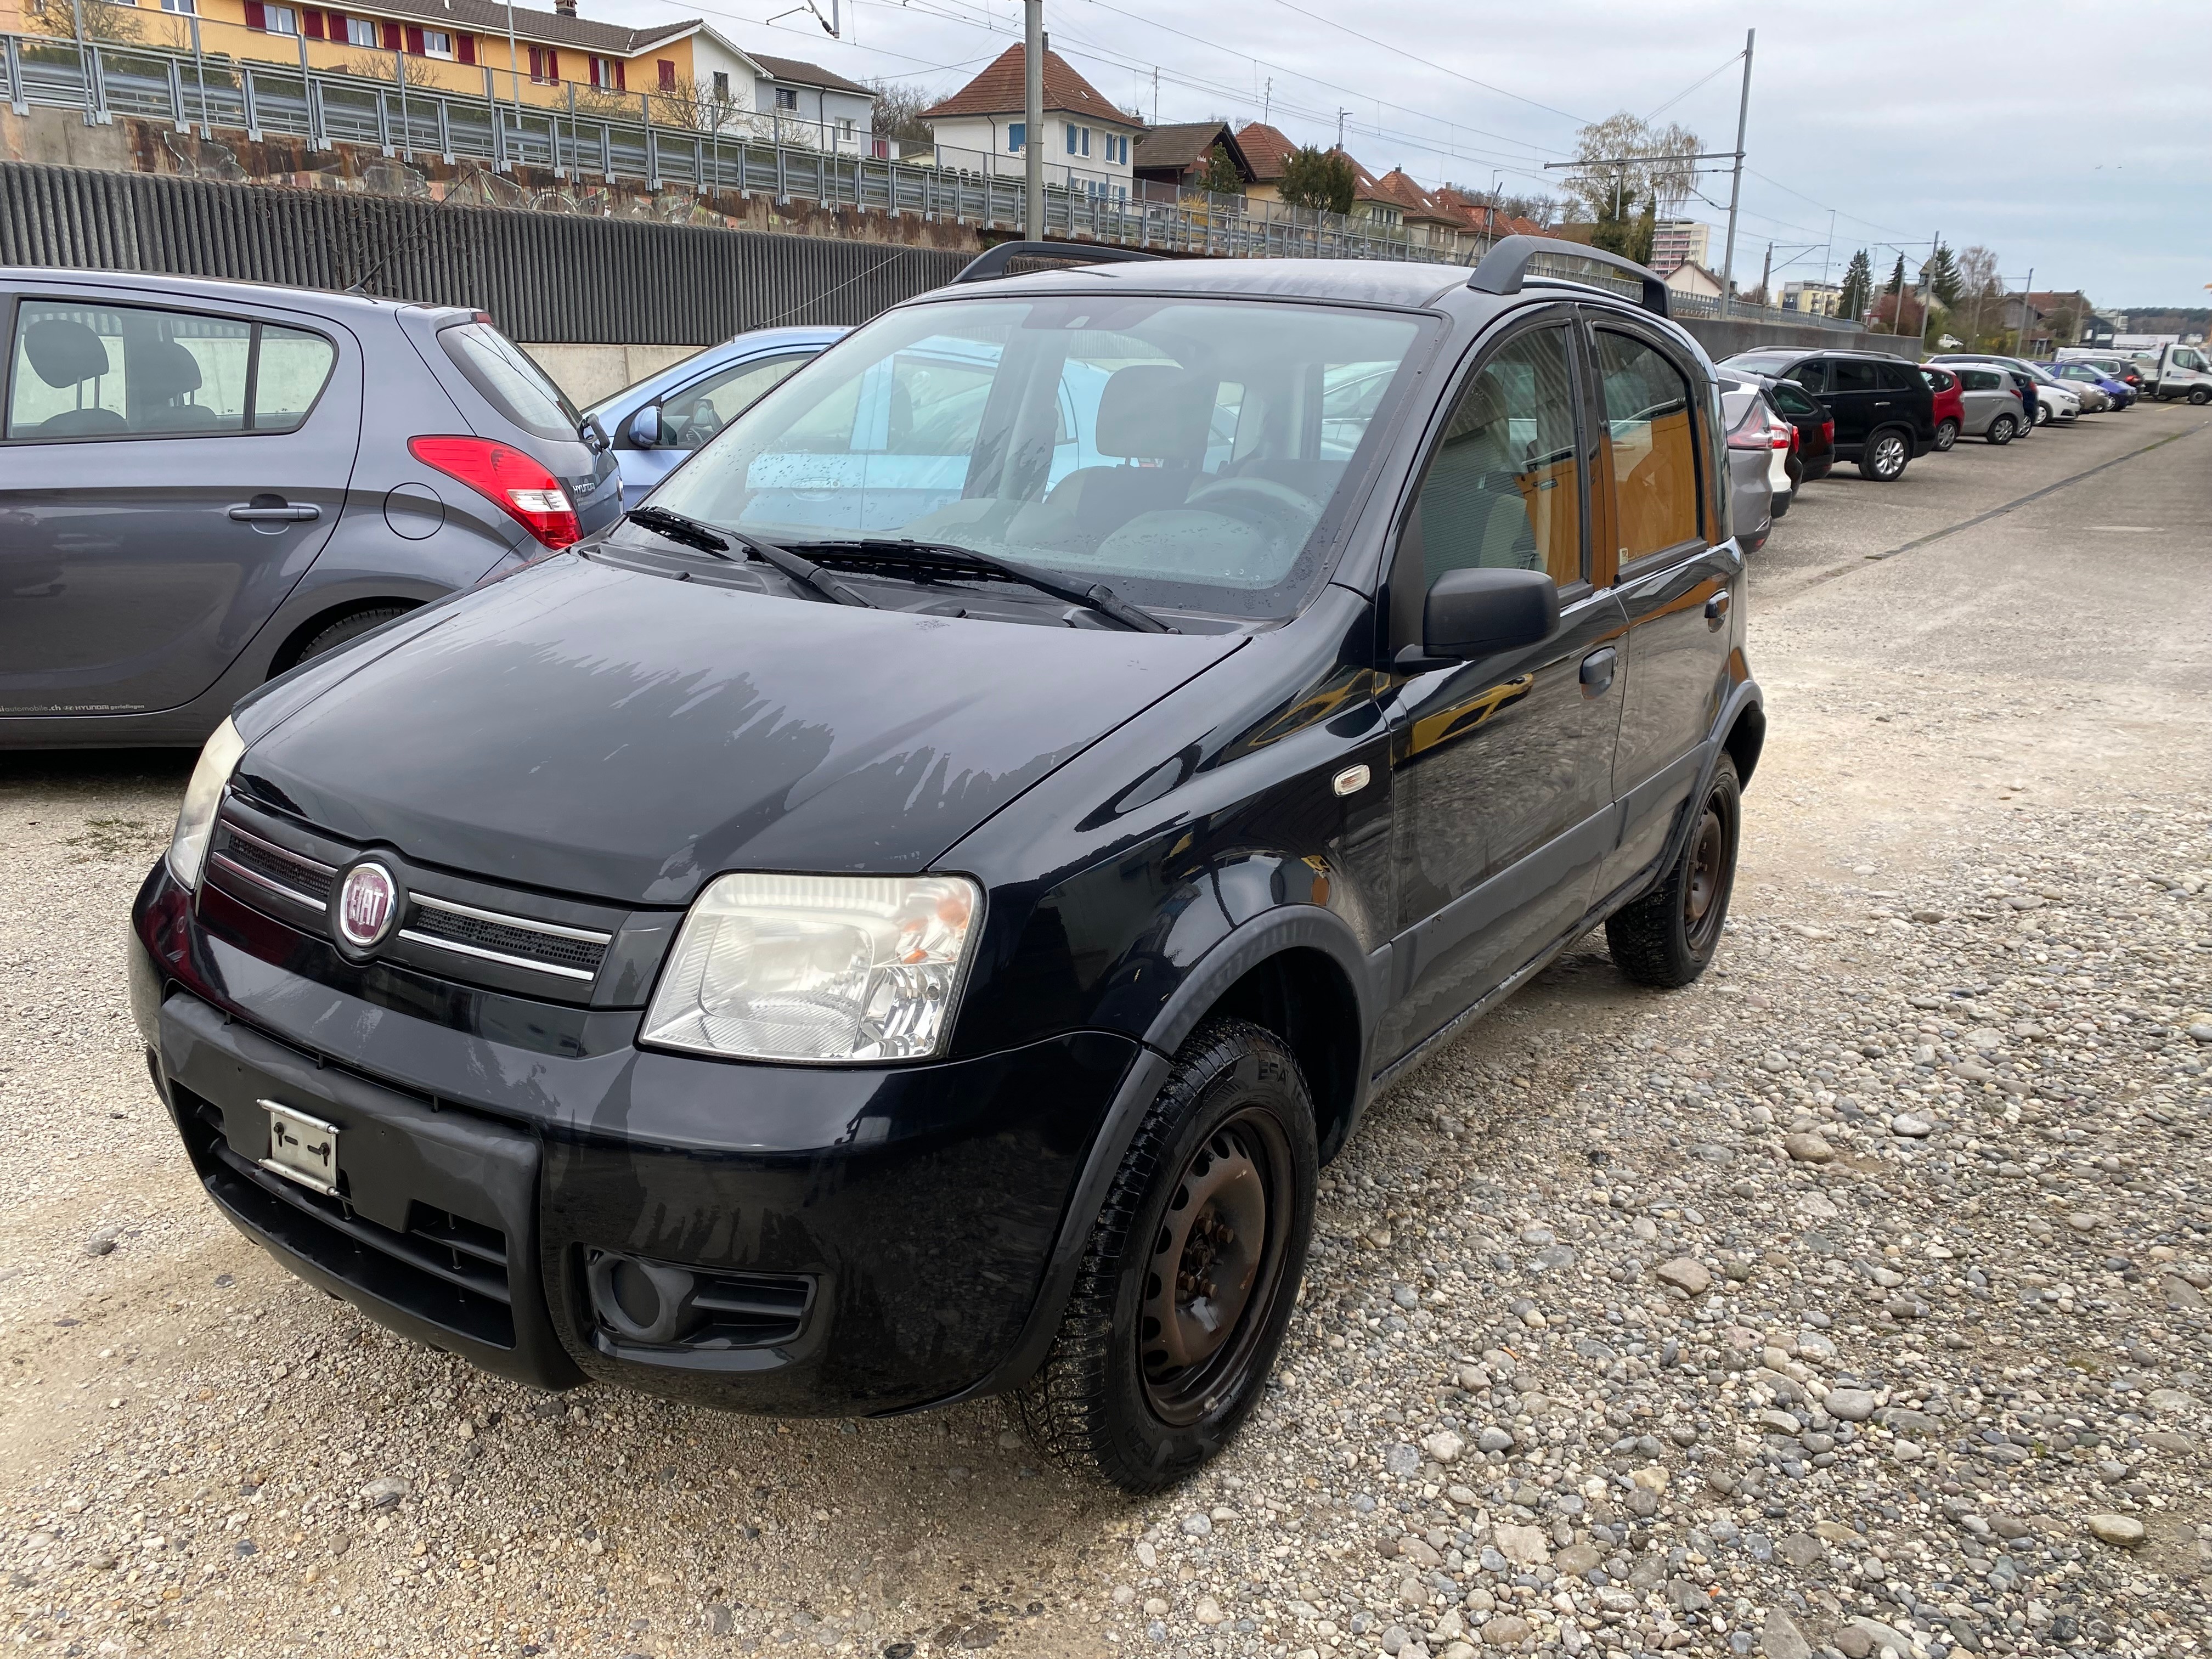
1191, 1270
1667, 937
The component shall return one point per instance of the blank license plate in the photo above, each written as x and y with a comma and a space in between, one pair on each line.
302, 1148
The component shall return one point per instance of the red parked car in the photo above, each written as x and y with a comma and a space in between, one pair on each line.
1950, 403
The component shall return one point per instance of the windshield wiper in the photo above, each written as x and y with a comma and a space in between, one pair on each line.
951, 555
691, 532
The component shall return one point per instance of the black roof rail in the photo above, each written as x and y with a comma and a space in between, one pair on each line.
1505, 268
993, 261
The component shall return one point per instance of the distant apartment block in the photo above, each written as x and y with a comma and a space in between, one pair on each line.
1814, 299
1679, 242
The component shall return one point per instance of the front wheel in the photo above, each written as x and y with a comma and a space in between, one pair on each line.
1946, 432
2001, 429
1667, 937
2201, 396
1885, 457
1192, 1271
2043, 414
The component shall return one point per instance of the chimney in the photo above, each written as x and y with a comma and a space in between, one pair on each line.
564, 8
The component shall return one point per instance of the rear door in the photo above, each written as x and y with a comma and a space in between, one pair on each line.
1902, 398
167, 473
1673, 564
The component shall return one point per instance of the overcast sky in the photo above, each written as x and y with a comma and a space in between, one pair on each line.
1903, 120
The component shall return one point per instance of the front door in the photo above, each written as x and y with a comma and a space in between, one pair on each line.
165, 479
1677, 573
1503, 767
1852, 392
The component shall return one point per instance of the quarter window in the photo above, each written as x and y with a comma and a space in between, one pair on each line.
1648, 417
135, 372
1505, 487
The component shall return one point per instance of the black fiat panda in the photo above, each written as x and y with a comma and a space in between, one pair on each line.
907, 915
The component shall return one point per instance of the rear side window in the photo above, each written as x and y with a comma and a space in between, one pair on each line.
510, 382
1896, 377
1648, 412
1937, 380
1503, 488
84, 371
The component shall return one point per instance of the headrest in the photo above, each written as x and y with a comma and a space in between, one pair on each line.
64, 352
165, 369
1154, 412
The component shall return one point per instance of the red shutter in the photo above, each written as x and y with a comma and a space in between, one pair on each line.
255, 18
415, 42
312, 21
667, 74
552, 64
621, 83
392, 37
464, 45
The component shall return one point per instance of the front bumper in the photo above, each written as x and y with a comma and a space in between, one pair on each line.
841, 1241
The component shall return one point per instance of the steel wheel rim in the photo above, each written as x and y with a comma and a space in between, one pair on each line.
1707, 880
1217, 1255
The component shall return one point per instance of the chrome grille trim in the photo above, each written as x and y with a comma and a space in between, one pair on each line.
285, 853
232, 867
527, 924
455, 945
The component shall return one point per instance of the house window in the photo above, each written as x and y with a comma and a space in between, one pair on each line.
721, 85
360, 32
545, 66
1086, 140
787, 98
183, 8
1017, 133
845, 128
667, 69
607, 74
1070, 127
280, 20
436, 43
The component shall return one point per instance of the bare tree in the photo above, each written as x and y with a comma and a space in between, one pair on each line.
898, 113
1656, 169
116, 23
1977, 286
377, 66
686, 101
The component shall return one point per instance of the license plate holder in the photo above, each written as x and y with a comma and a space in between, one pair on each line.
301, 1148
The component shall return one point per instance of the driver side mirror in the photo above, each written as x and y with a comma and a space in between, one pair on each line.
1479, 612
645, 427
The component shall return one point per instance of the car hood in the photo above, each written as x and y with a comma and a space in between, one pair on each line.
607, 732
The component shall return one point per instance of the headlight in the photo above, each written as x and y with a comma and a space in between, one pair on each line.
819, 968
196, 823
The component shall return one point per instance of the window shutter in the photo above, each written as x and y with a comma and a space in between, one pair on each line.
312, 21
622, 81
464, 48
255, 17
667, 69
415, 41
552, 64
392, 41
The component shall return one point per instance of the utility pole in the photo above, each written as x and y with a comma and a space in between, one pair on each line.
1828, 248
1268, 102
1926, 286
1340, 114
1735, 186
1033, 116
1155, 94
1766, 275
514, 83
2020, 339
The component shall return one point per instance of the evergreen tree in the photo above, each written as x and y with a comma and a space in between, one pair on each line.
1316, 178
1219, 173
1897, 277
1939, 276
1627, 228
1858, 287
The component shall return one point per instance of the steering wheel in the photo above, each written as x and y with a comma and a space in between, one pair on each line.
1270, 497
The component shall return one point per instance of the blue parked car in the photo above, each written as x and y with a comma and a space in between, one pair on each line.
2118, 390
657, 424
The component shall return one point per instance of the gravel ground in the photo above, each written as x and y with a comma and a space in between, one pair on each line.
1852, 1300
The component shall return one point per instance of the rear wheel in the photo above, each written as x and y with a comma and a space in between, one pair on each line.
1885, 456
1667, 937
344, 631
1946, 432
1191, 1270
2001, 429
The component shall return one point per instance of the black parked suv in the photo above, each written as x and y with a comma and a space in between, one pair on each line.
1884, 412
204, 484
906, 915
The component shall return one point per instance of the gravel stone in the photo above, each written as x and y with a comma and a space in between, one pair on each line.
2123, 1530
1687, 1274
1806, 1147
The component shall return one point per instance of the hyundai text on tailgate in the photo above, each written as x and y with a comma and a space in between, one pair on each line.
906, 914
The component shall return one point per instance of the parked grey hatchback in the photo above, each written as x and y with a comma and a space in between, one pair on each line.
202, 485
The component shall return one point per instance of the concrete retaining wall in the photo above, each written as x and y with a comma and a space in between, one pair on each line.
1723, 336
589, 372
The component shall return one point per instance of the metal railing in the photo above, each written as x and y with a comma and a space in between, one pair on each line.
417, 110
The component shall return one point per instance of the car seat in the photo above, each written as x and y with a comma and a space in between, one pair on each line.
66, 353
160, 371
1147, 411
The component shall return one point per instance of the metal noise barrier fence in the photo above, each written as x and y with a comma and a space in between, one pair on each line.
544, 276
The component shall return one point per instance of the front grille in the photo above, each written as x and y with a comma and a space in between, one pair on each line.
265, 863
575, 952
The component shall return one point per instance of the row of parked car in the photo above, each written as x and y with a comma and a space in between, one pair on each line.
1791, 415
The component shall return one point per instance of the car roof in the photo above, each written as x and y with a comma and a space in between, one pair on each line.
327, 302
1359, 281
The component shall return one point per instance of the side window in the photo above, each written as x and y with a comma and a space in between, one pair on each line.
133, 371
1793, 400
1850, 375
1895, 377
1648, 416
1503, 487
697, 413
1812, 374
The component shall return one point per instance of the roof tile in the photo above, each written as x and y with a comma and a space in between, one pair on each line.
998, 91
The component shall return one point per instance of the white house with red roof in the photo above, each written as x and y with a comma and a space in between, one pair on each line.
1087, 142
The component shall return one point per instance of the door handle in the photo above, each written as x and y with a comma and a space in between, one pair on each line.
1597, 671
275, 509
1716, 608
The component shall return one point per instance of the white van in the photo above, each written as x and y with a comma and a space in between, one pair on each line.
2179, 371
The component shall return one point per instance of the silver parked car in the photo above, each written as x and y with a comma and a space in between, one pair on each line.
1750, 420
1993, 407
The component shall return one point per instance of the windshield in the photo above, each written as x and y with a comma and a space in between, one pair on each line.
1183, 452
